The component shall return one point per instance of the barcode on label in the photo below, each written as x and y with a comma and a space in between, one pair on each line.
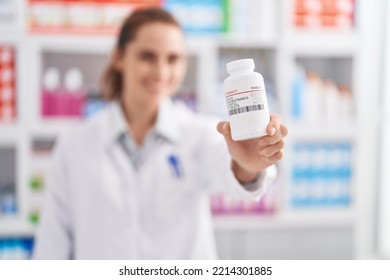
246, 109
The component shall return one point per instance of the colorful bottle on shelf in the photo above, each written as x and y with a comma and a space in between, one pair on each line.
298, 98
7, 84
74, 95
321, 174
331, 102
50, 90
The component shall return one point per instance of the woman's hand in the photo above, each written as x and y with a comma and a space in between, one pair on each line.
250, 157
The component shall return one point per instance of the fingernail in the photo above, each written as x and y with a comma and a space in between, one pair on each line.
272, 130
224, 126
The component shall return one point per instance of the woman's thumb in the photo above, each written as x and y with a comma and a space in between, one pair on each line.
221, 127
224, 129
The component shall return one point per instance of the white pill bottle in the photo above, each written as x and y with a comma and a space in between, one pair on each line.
246, 100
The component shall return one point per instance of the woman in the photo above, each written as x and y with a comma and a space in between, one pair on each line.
134, 182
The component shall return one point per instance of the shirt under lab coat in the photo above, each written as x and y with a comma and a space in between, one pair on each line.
99, 205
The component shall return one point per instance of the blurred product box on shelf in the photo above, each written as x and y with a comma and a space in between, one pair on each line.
16, 248
8, 192
321, 174
252, 19
92, 105
202, 17
238, 17
7, 84
41, 151
37, 182
324, 14
69, 84
70, 98
8, 204
63, 100
88, 16
316, 100
7, 12
42, 147
243, 18
225, 204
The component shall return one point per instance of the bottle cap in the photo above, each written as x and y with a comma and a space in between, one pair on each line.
240, 64
51, 79
73, 80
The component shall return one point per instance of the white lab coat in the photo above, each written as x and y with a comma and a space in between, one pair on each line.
99, 207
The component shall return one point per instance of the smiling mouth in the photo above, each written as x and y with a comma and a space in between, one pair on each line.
155, 88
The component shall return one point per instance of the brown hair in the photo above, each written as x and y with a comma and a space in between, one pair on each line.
112, 78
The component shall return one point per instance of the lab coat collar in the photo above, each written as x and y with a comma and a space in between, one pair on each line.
166, 126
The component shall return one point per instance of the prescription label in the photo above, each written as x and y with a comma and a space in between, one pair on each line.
239, 102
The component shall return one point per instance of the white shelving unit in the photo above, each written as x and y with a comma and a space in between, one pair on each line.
300, 220
286, 44
323, 132
15, 228
9, 133
383, 206
357, 218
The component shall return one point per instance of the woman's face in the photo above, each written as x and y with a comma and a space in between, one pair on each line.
153, 65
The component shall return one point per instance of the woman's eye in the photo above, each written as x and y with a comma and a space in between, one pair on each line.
147, 56
173, 59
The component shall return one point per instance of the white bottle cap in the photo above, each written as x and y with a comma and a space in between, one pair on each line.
240, 64
73, 80
51, 79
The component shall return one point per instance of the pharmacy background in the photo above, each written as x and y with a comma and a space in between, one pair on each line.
326, 68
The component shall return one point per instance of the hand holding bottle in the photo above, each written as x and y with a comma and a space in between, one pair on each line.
251, 157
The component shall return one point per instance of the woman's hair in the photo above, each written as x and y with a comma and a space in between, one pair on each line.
112, 80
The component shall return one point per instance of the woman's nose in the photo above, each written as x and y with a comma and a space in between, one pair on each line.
161, 71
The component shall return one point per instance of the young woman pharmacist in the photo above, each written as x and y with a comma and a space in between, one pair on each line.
134, 181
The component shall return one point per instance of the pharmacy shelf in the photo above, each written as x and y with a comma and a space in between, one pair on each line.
102, 43
14, 227
340, 44
73, 43
54, 127
8, 37
322, 131
292, 219
288, 43
247, 42
9, 133
201, 45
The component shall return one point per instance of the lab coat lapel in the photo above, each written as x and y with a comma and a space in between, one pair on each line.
122, 164
114, 126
